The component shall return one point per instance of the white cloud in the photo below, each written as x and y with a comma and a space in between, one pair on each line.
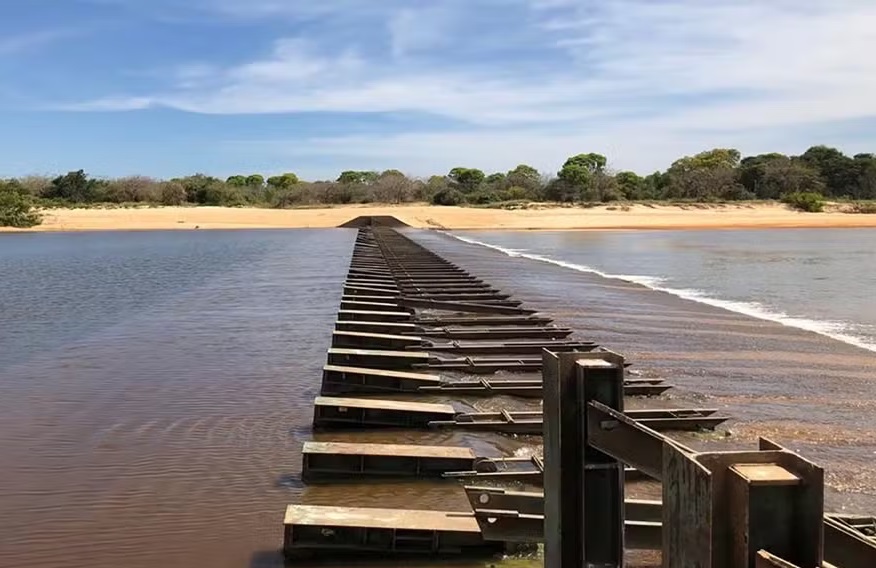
630, 76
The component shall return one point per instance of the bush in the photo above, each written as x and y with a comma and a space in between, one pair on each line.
517, 193
16, 207
485, 196
809, 202
448, 197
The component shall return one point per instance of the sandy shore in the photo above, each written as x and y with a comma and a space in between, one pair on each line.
423, 216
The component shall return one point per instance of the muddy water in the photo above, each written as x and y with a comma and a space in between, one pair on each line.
814, 394
156, 388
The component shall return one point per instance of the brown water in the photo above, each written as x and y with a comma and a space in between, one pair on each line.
156, 388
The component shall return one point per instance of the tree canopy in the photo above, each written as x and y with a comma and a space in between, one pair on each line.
716, 174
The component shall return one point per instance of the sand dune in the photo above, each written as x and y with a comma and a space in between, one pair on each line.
423, 216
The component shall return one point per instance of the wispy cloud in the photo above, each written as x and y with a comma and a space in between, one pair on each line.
17, 44
557, 73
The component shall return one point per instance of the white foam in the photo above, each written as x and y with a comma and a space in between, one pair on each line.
834, 330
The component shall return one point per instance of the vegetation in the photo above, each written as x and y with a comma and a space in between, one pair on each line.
717, 175
807, 201
16, 206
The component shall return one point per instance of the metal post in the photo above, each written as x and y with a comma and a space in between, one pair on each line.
601, 377
563, 476
580, 482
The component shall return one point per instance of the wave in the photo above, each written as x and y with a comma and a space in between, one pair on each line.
832, 329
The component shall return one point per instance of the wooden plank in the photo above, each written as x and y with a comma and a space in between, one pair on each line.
362, 339
422, 377
409, 302
374, 315
377, 327
383, 359
337, 379
380, 404
395, 450
400, 519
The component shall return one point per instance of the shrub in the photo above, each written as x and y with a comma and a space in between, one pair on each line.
16, 207
448, 197
517, 193
485, 196
805, 201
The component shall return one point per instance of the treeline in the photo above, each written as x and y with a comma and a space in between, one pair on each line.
715, 175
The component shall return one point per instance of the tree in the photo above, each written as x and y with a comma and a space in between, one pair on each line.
838, 171
527, 178
656, 184
358, 177
706, 176
75, 187
132, 189
36, 186
865, 186
496, 182
171, 193
751, 174
466, 180
561, 190
632, 186
236, 181
284, 181
448, 196
255, 181
584, 175
790, 175
16, 206
393, 187
198, 187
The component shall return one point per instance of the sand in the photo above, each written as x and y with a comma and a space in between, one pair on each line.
424, 216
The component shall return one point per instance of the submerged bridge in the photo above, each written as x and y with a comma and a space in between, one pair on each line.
411, 323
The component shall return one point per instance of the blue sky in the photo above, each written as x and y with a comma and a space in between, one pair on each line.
170, 87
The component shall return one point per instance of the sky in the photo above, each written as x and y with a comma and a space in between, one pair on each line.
174, 87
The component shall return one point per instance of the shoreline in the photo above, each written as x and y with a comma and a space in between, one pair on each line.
601, 218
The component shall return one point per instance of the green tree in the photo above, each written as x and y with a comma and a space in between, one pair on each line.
448, 196
358, 177
561, 190
770, 176
16, 206
526, 177
865, 184
632, 186
198, 187
466, 180
76, 187
496, 182
656, 185
236, 181
584, 175
838, 171
284, 181
255, 181
752, 170
706, 176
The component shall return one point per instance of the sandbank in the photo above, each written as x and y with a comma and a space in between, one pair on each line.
608, 217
